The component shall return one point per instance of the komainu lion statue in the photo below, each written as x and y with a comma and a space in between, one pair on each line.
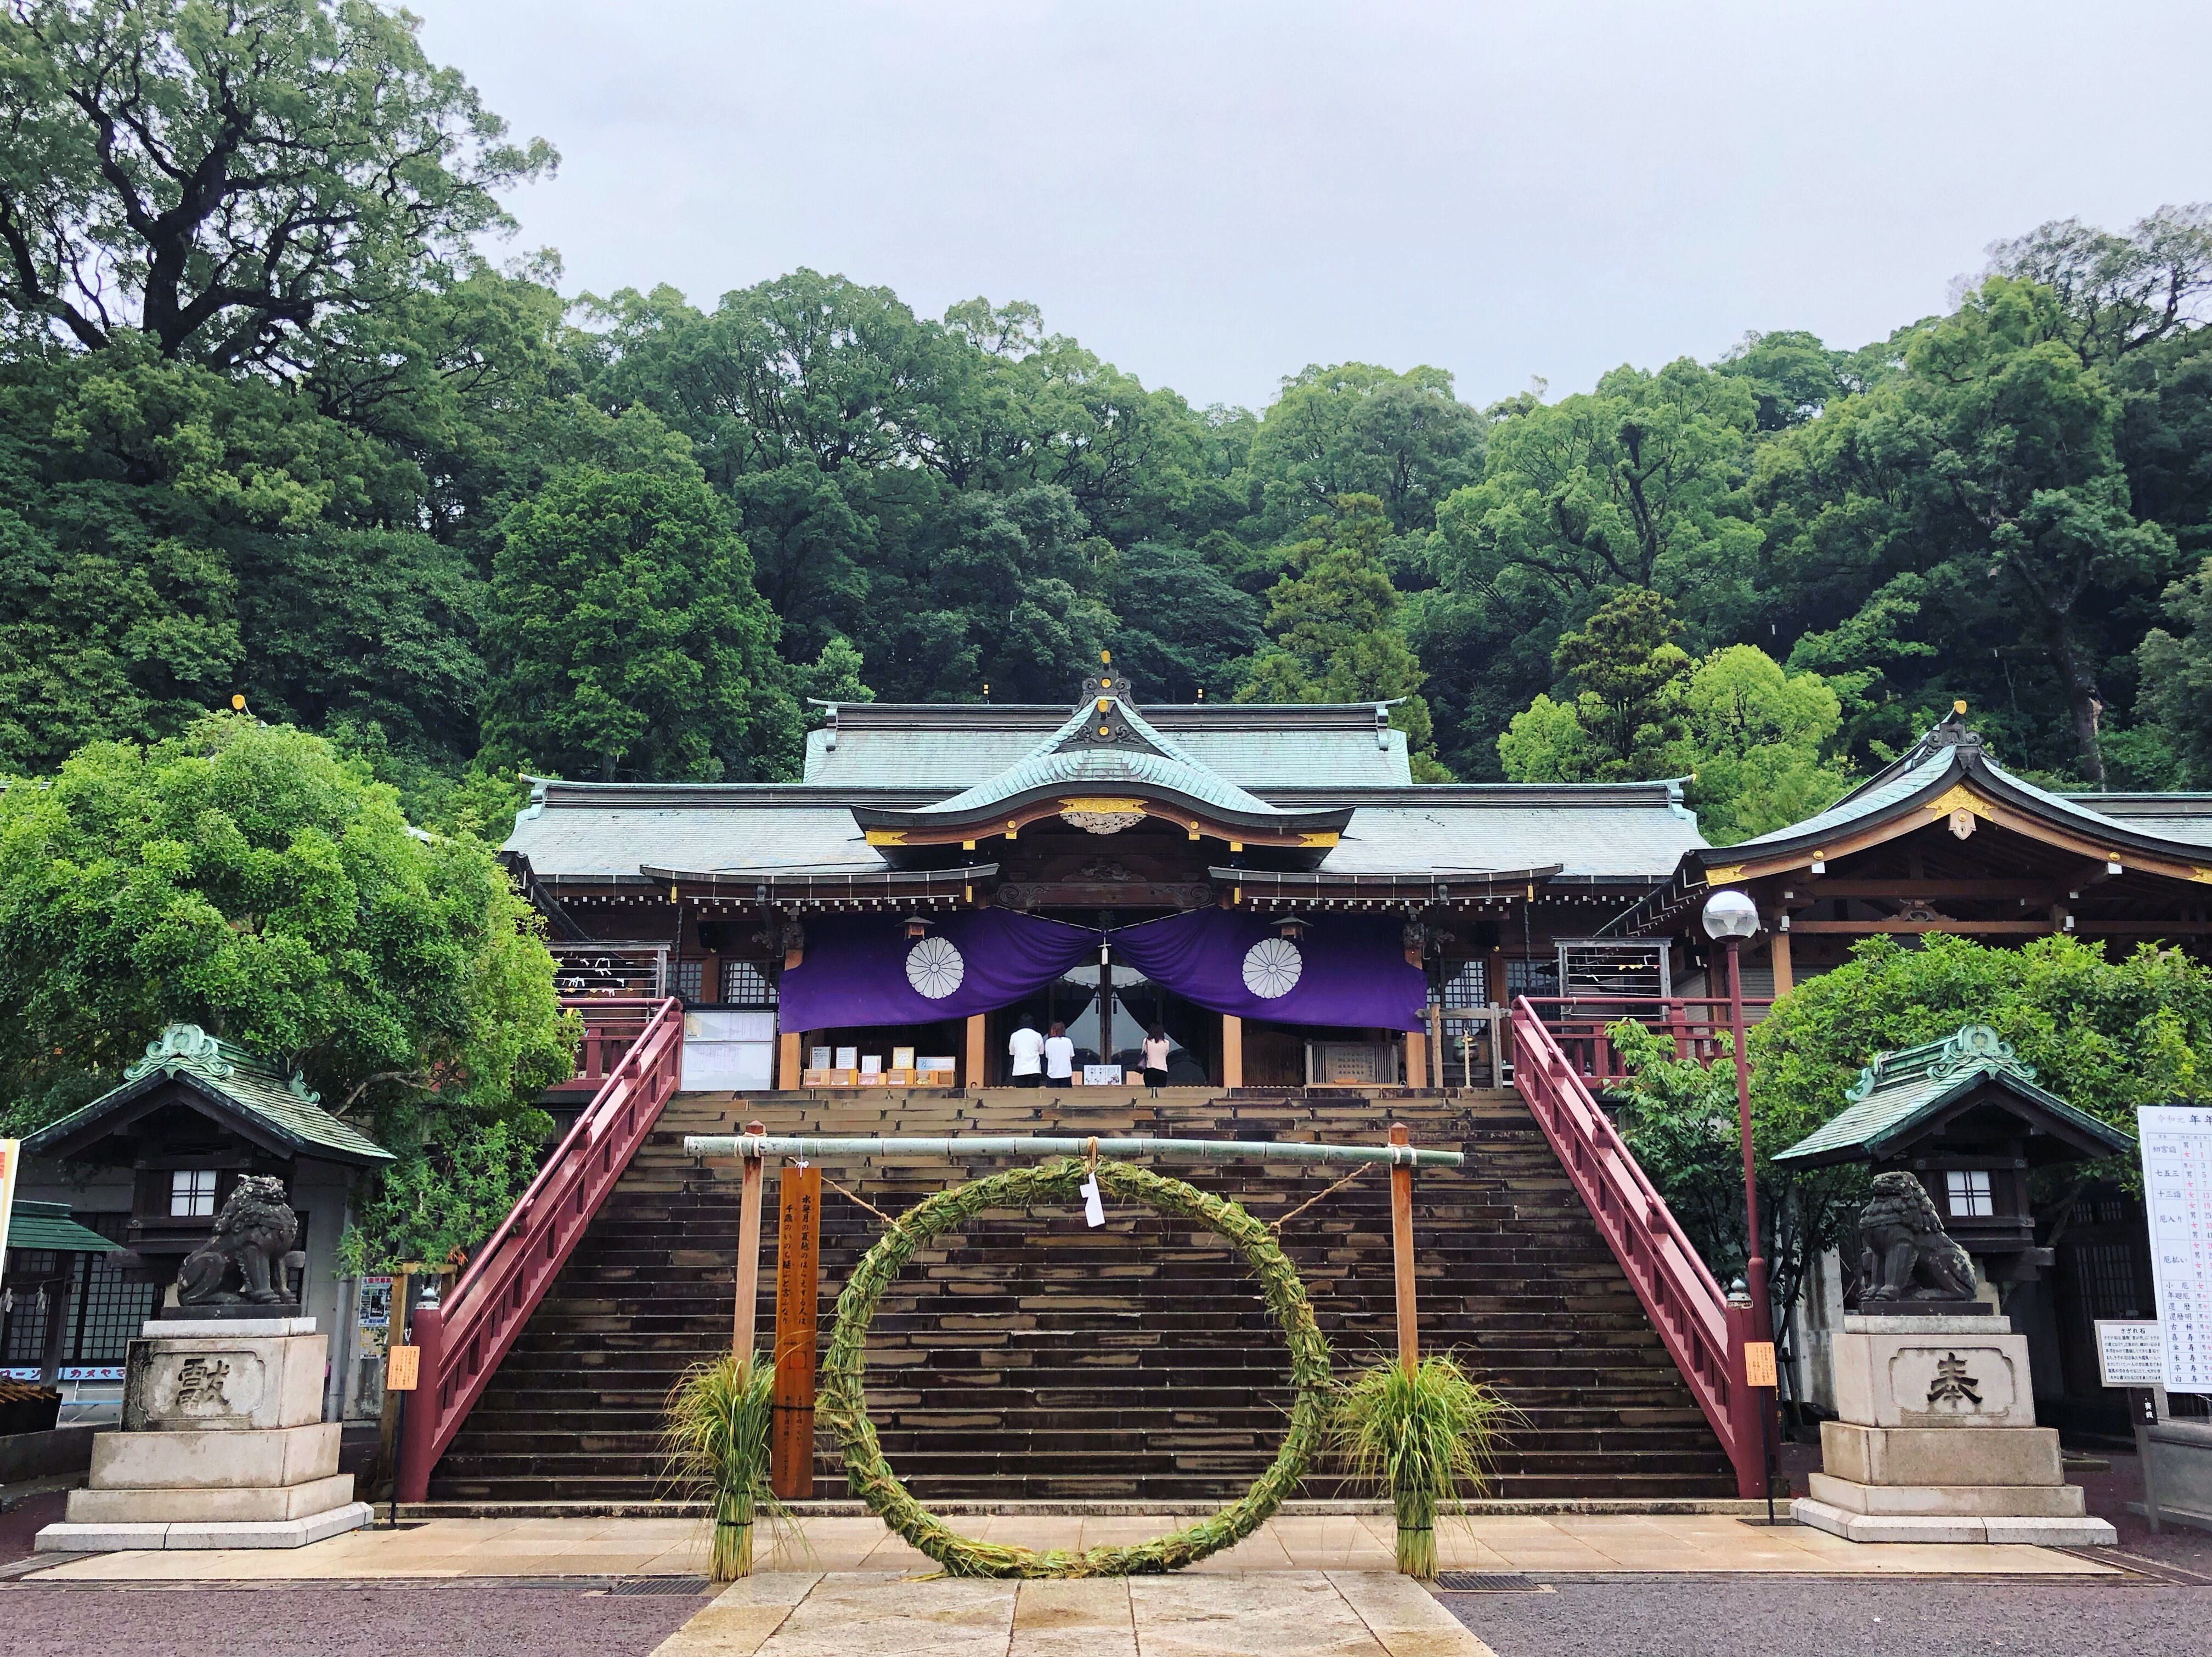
244, 1258
1904, 1254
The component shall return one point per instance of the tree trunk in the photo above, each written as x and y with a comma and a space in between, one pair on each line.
2082, 702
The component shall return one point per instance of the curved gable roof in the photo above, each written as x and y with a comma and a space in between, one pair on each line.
1104, 744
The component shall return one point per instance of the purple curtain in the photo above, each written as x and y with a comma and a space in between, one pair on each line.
1347, 969
863, 969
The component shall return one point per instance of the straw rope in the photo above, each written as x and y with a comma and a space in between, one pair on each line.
1276, 1226
856, 1197
844, 1405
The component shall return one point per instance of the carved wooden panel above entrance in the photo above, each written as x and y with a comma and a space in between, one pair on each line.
1101, 895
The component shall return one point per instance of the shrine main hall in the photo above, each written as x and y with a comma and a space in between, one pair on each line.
1268, 884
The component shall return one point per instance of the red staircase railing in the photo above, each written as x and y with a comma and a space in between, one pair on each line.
462, 1340
1694, 1023
612, 1025
1703, 1331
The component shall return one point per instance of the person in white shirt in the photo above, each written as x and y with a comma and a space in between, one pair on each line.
1027, 1047
1156, 1058
1059, 1056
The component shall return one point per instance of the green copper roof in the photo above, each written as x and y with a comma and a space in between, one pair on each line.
48, 1225
1139, 757
280, 1104
1900, 1090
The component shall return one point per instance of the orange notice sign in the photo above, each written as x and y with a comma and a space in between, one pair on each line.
403, 1364
1758, 1364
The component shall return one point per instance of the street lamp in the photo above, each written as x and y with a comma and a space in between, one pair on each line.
1729, 918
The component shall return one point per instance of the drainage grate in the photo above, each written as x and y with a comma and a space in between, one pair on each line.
1486, 1582
661, 1585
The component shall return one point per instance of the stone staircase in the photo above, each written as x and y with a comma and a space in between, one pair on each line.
1035, 1359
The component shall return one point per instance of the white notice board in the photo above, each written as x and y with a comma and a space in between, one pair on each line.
2176, 1161
2128, 1355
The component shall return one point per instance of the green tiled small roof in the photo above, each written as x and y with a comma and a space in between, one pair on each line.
48, 1225
1153, 761
281, 1103
1899, 1090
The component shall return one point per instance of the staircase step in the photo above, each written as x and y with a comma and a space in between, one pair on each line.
1031, 1357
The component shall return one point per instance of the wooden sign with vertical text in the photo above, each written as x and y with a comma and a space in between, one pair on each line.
797, 1303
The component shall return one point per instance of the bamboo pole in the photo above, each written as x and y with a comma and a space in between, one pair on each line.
1135, 1148
749, 1230
1401, 1252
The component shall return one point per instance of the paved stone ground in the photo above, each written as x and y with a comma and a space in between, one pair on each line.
1266, 1614
333, 1622
1691, 1616
24, 1521
1578, 1543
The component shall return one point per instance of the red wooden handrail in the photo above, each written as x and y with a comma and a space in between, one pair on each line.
1578, 1026
612, 1025
1703, 1331
463, 1339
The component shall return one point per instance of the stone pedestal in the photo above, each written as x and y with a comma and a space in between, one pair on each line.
1938, 1442
223, 1445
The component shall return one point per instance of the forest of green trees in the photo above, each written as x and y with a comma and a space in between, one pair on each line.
272, 423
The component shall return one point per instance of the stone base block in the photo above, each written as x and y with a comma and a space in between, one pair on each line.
211, 1461
1952, 1501
248, 1321
1939, 1455
1935, 1373
269, 1533
249, 1506
2083, 1532
222, 1383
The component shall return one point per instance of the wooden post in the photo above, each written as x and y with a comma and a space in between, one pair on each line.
1436, 1079
972, 1076
1232, 1051
387, 1418
1777, 946
1401, 1253
749, 1223
1416, 1073
789, 1057
798, 1304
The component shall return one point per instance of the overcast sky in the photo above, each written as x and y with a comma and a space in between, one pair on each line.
1212, 196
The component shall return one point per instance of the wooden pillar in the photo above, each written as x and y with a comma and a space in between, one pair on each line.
1777, 954
747, 1310
974, 1074
790, 1056
1401, 1253
1232, 1051
386, 1464
1416, 1073
1436, 1079
798, 1304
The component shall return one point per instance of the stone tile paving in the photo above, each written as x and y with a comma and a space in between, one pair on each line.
476, 1548
1272, 1614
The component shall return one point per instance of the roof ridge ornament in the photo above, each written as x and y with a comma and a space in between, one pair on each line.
181, 1044
1105, 724
1973, 1046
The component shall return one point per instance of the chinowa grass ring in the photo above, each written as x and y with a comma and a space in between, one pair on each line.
844, 1403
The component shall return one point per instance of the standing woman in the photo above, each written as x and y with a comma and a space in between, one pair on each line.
1156, 1057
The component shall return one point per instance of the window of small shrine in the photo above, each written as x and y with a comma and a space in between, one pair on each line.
1969, 1192
191, 1193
